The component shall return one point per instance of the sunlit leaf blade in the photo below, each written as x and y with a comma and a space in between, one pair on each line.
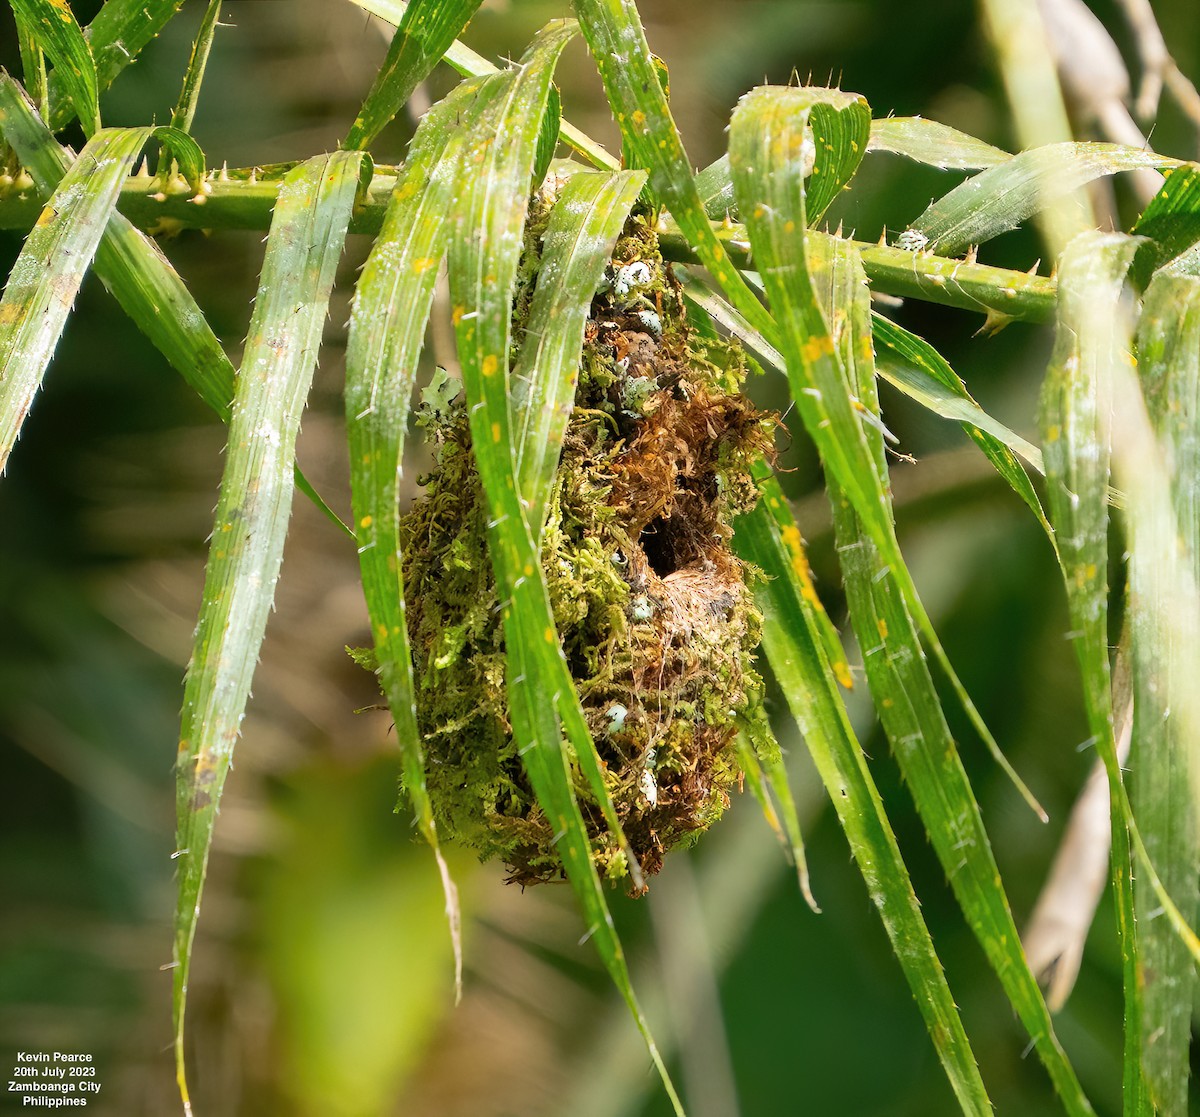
1172, 223
45, 279
1093, 335
937, 145
387, 331
193, 78
53, 23
908, 703
920, 371
715, 184
617, 41
578, 242
33, 61
1002, 197
115, 38
497, 160
769, 153
139, 276
470, 64
426, 31
1164, 515
307, 232
792, 640
547, 142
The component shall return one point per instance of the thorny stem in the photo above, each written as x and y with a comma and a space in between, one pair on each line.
241, 201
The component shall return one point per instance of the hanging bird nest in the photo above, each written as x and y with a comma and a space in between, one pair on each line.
655, 612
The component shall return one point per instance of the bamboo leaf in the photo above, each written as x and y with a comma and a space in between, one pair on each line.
908, 703
115, 38
45, 279
1002, 197
577, 245
1093, 336
303, 248
139, 276
614, 34
387, 330
937, 145
1172, 222
497, 160
53, 23
793, 624
427, 29
920, 371
472, 65
1164, 515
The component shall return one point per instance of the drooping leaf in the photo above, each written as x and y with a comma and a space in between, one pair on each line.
60, 37
937, 145
139, 276
387, 331
426, 31
793, 640
1163, 483
306, 238
1004, 196
44, 281
542, 699
1093, 336
907, 700
578, 242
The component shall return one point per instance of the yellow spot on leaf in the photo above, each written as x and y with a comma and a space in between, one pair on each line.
422, 264
550, 636
817, 347
457, 313
495, 432
881, 624
366, 521
490, 364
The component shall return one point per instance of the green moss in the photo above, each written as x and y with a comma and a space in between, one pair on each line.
656, 614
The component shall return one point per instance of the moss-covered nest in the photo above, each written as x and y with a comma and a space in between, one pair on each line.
655, 612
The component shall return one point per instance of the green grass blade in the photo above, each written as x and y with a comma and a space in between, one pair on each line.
189, 95
115, 38
578, 242
920, 371
45, 279
387, 331
483, 262
715, 184
1172, 222
909, 707
936, 145
792, 640
1165, 537
1002, 197
770, 168
1093, 335
60, 37
139, 276
615, 37
303, 248
33, 62
472, 65
426, 31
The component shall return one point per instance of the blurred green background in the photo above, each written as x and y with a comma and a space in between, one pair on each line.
322, 982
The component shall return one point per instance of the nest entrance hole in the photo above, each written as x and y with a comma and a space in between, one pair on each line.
670, 544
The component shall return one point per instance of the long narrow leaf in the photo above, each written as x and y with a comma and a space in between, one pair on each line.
792, 639
617, 41
578, 242
53, 22
115, 38
139, 276
937, 145
305, 242
908, 704
483, 259
1004, 196
45, 279
426, 31
387, 330
1164, 571
1093, 336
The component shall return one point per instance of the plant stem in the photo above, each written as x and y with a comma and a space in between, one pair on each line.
240, 200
